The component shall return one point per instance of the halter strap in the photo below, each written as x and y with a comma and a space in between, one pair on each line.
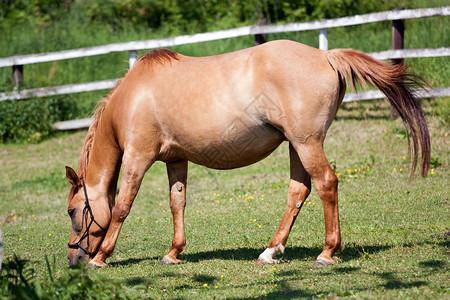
87, 209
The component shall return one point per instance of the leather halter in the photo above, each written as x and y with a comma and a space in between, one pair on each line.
86, 210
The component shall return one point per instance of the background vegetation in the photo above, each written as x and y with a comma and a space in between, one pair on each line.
39, 26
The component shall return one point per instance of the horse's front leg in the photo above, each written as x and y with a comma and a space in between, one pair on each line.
299, 189
177, 173
133, 169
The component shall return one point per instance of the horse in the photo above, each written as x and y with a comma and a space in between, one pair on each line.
225, 111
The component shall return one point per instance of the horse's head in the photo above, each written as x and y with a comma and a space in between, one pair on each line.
90, 216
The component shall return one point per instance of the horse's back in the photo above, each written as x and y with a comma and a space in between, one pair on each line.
221, 111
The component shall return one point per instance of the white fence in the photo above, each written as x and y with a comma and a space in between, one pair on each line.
18, 61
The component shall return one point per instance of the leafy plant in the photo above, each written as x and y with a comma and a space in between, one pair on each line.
32, 120
17, 281
434, 162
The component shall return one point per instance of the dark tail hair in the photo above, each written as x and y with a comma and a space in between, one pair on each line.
395, 81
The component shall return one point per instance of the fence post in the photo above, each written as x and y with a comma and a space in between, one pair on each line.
133, 58
398, 34
260, 38
17, 76
323, 39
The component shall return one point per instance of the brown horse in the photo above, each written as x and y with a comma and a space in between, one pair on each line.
225, 111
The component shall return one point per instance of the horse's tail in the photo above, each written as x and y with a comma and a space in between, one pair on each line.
395, 82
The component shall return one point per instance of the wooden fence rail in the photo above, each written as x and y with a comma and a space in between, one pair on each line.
108, 84
224, 34
17, 61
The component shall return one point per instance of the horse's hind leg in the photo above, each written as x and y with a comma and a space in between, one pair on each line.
177, 173
299, 189
325, 181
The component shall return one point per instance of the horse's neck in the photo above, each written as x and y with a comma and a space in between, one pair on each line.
104, 163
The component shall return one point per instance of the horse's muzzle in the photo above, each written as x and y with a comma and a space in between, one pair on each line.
75, 257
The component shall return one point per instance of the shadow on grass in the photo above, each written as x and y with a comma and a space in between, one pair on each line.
285, 290
251, 254
393, 283
433, 264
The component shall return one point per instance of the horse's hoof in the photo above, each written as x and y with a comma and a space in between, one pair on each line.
169, 261
322, 262
96, 264
261, 261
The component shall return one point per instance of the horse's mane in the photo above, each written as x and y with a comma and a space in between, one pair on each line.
159, 56
89, 140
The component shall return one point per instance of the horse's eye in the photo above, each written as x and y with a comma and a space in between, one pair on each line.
70, 212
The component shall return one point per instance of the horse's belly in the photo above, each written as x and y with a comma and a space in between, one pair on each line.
234, 149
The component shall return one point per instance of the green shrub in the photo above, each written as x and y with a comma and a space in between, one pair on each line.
17, 281
31, 120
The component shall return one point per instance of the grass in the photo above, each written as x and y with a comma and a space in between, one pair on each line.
393, 231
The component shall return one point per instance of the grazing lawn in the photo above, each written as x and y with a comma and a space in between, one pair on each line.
394, 232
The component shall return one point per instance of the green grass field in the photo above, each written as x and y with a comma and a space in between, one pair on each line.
393, 231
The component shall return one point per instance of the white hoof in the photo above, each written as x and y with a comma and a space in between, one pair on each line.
269, 255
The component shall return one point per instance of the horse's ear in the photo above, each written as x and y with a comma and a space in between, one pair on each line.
72, 176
